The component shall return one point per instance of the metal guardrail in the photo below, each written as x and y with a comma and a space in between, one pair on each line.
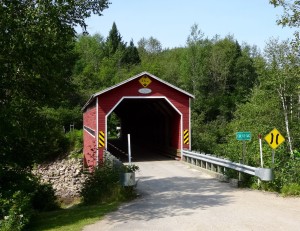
215, 164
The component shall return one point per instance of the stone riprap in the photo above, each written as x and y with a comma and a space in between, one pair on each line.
66, 176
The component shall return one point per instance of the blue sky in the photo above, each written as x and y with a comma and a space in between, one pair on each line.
170, 21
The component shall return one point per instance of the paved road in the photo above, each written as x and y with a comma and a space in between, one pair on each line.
174, 196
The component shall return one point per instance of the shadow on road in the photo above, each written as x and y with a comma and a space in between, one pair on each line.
174, 196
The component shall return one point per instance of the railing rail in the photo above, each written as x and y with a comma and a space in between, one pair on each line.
214, 163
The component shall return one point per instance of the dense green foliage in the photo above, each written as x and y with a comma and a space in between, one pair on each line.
102, 62
75, 141
21, 196
37, 97
103, 185
47, 73
236, 88
290, 17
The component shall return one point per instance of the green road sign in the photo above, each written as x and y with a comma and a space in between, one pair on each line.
243, 135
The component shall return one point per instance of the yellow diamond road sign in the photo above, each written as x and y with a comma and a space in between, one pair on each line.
274, 138
145, 81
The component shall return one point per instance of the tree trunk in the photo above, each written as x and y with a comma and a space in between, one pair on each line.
286, 120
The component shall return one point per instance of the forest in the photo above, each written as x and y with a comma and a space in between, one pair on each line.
48, 72
236, 87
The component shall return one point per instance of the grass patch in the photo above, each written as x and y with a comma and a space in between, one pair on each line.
73, 218
291, 190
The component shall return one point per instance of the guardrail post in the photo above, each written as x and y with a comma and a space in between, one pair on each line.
240, 174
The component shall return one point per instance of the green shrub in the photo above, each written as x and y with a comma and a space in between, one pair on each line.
286, 175
103, 185
130, 168
286, 171
75, 139
21, 194
296, 154
18, 212
231, 173
291, 190
44, 198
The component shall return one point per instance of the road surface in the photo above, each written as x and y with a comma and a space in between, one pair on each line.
174, 196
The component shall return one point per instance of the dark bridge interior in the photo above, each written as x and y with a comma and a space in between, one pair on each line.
153, 125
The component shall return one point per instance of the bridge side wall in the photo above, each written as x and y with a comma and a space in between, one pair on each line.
89, 135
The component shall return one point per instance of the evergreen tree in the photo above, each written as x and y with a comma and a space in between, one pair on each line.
131, 55
114, 41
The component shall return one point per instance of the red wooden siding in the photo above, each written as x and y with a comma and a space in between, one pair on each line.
89, 142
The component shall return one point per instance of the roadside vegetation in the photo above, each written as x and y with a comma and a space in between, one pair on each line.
48, 72
102, 193
73, 218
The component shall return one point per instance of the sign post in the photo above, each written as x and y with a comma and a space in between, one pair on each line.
243, 136
260, 151
129, 149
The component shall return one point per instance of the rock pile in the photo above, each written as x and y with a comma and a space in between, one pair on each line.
65, 175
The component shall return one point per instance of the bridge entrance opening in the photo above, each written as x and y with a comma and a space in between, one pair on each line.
153, 125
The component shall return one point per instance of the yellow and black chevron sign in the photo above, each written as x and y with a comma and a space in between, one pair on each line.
101, 139
186, 136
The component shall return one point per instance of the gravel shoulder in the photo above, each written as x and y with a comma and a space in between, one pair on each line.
174, 196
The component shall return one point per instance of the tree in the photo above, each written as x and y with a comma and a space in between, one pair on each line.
151, 45
91, 50
221, 75
283, 66
258, 115
150, 51
171, 65
36, 60
114, 41
195, 63
274, 100
131, 55
102, 62
290, 17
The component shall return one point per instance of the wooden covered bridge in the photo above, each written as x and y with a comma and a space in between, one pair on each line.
155, 113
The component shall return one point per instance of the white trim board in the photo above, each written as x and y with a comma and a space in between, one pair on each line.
132, 78
145, 97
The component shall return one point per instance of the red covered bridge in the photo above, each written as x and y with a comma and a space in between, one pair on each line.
155, 113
